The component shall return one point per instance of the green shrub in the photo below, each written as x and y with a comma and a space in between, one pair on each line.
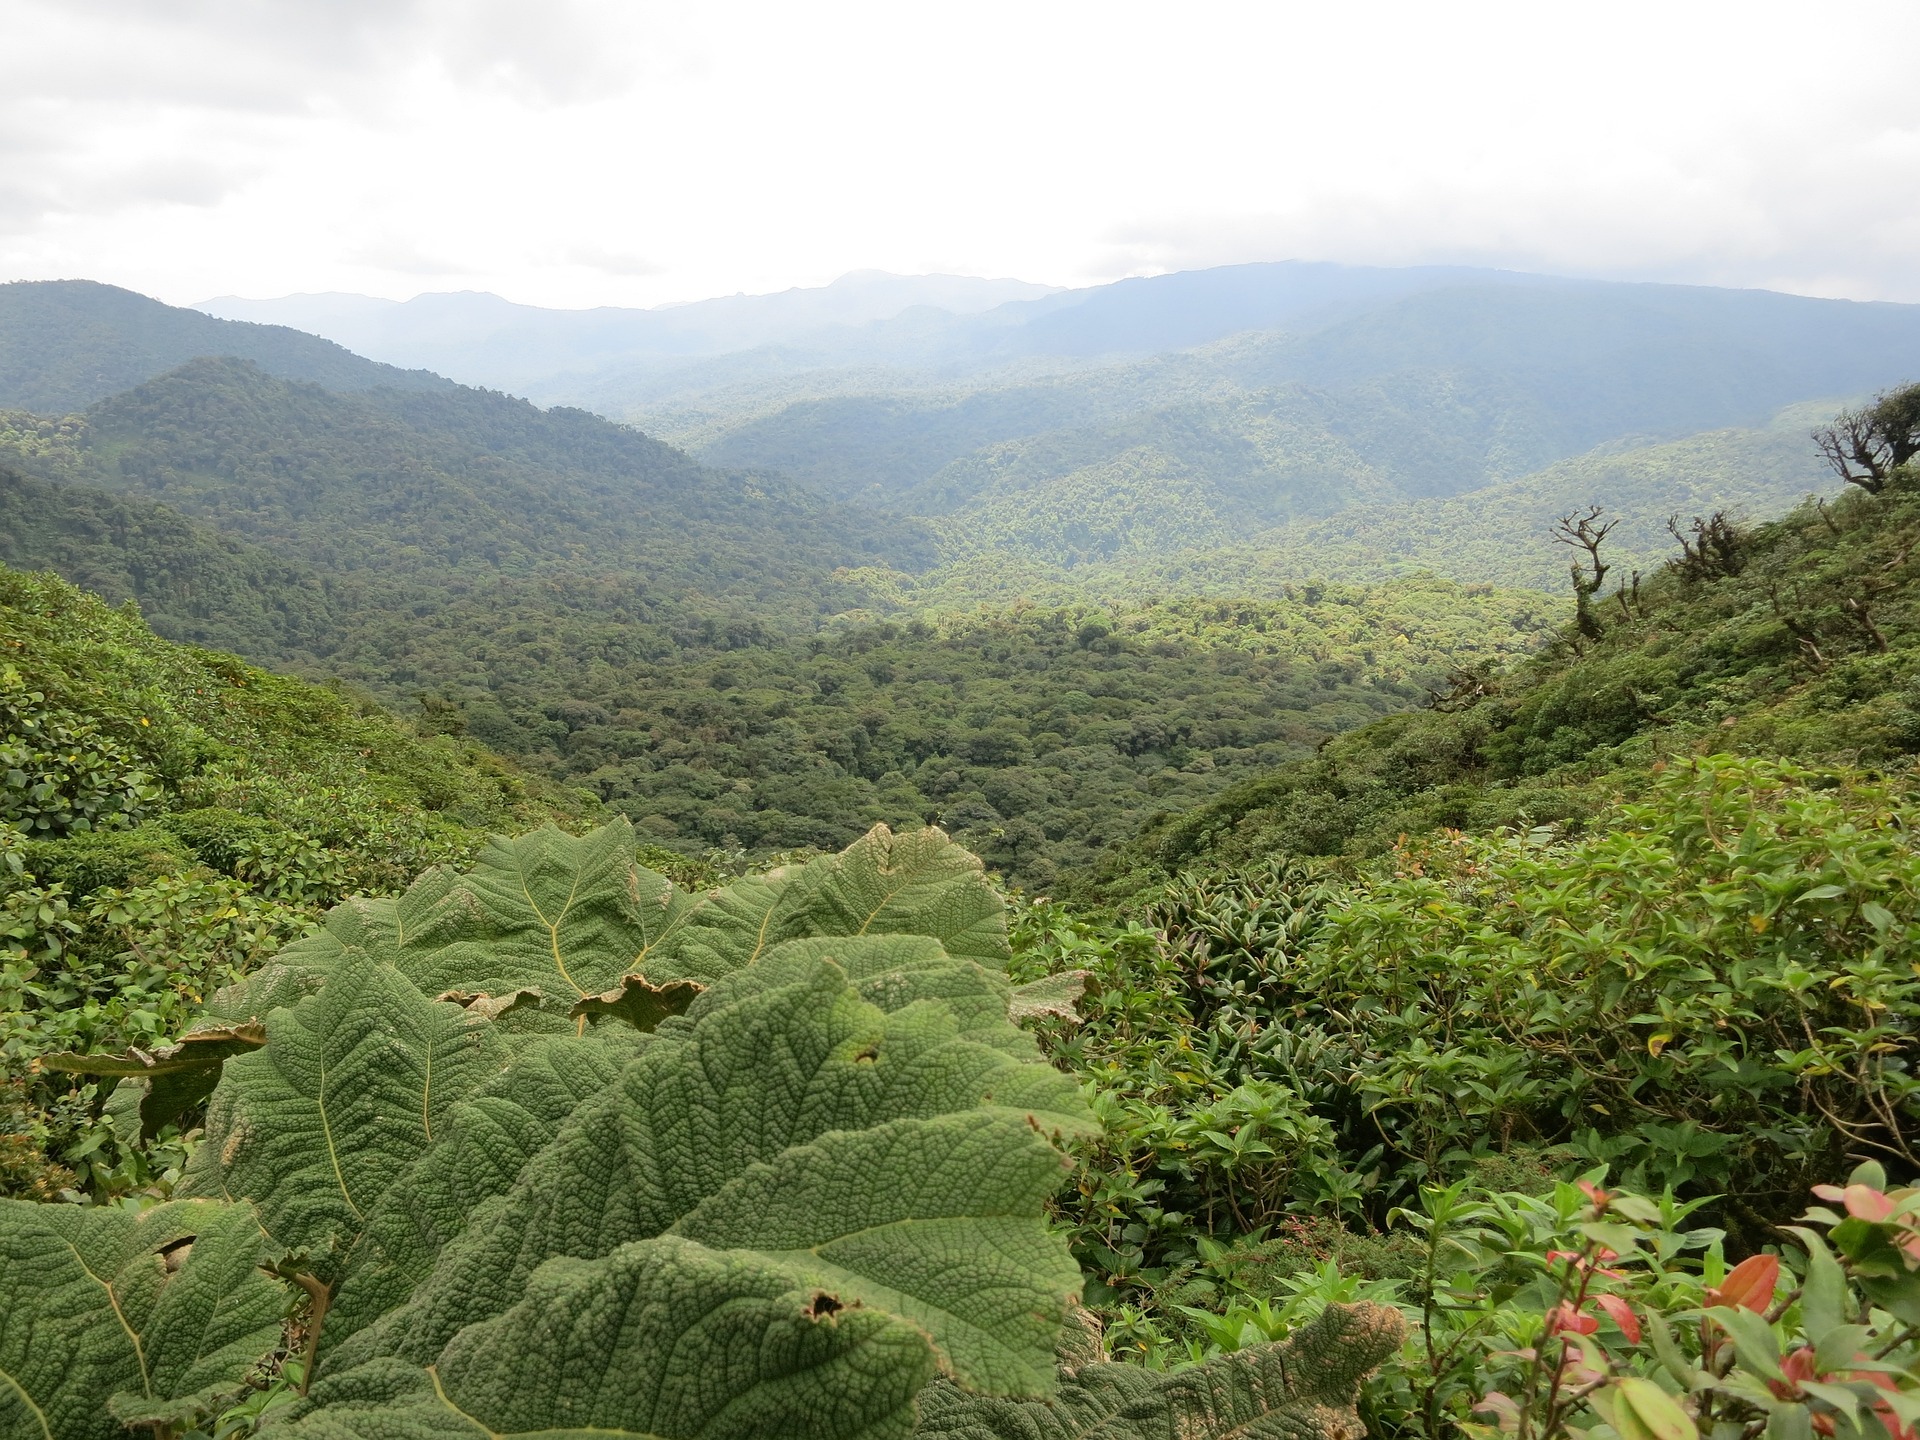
90, 860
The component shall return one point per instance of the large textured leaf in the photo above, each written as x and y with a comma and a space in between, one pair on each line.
315, 1127
478, 1150
1301, 1389
919, 883
796, 1130
103, 1308
566, 917
660, 1338
176, 1077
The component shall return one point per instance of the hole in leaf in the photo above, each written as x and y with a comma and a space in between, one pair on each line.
822, 1305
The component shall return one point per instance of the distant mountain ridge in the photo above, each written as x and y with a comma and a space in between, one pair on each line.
66, 343
482, 339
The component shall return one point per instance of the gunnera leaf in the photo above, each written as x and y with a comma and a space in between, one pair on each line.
795, 1132
176, 1077
569, 917
479, 1147
104, 1308
660, 1338
1302, 1388
917, 883
345, 1095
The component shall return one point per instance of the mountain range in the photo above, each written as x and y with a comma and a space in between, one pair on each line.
1032, 566
1150, 423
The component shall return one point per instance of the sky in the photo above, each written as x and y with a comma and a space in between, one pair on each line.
586, 152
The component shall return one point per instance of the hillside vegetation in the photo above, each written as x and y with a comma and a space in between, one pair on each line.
1037, 736
66, 343
192, 582
1793, 639
1533, 1013
1446, 1073
688, 644
1408, 398
167, 817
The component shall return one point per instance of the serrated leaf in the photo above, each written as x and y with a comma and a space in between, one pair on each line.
1304, 1386
911, 883
906, 883
155, 1308
317, 1125
788, 1121
894, 971
566, 916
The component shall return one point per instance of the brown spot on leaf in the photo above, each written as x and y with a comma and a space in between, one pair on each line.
639, 1002
490, 1007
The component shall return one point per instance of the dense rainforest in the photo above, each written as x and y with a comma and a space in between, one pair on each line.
695, 649
1421, 1007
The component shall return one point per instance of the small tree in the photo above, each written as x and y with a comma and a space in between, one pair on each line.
1584, 533
1865, 447
1710, 547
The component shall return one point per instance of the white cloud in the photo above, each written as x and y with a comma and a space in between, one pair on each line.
604, 151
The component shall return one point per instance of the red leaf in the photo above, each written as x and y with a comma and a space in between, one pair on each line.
1749, 1285
1866, 1203
1622, 1315
1565, 1317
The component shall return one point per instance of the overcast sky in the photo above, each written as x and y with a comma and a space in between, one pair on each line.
580, 152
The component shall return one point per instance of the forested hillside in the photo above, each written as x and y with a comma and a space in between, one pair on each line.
1418, 396
414, 487
66, 343
1791, 639
191, 581
1037, 736
169, 815
706, 651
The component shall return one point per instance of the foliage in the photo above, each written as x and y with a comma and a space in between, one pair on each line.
1592, 1311
1706, 992
193, 584
1305, 1385
67, 343
1807, 652
113, 1316
1037, 736
779, 1210
169, 817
